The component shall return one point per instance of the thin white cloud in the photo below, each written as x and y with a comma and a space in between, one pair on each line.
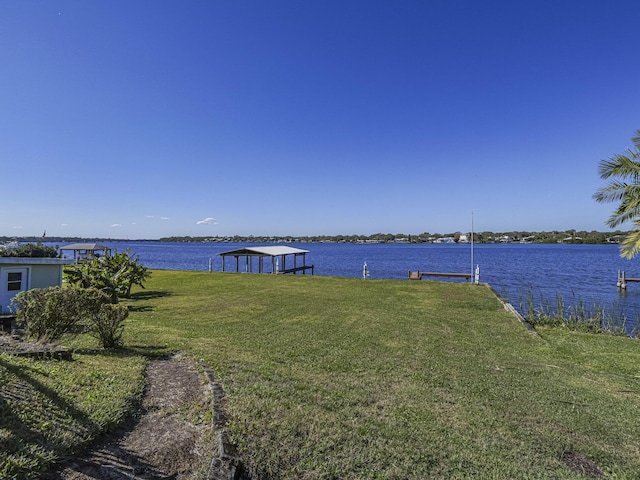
207, 221
164, 218
150, 216
116, 225
18, 226
64, 224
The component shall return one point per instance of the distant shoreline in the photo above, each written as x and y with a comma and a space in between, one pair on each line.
552, 237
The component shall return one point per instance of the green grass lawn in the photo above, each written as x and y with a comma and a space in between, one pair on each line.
345, 378
50, 409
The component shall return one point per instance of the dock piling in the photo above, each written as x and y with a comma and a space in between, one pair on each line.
623, 280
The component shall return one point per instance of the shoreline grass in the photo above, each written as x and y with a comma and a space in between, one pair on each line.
343, 378
576, 315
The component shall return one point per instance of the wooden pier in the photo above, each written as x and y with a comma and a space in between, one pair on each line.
419, 275
294, 270
623, 279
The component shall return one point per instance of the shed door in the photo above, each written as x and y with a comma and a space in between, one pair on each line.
12, 282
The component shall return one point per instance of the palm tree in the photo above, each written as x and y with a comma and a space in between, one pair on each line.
623, 173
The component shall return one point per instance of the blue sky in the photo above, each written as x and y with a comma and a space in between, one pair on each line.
155, 118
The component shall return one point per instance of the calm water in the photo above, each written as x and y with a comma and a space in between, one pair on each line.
576, 272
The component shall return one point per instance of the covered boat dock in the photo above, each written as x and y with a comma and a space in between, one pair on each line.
277, 254
85, 252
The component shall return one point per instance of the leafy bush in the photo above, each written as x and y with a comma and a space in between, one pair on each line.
49, 313
112, 274
31, 250
107, 325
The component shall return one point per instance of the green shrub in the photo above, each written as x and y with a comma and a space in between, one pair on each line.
114, 275
107, 324
31, 250
49, 313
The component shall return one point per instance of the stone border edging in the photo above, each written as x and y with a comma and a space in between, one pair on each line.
510, 308
225, 465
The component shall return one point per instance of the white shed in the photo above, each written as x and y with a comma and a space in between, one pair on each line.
18, 274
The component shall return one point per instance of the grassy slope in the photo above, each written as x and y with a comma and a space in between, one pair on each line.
341, 378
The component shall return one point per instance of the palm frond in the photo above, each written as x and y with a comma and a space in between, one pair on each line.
612, 192
636, 140
624, 166
624, 188
630, 246
629, 208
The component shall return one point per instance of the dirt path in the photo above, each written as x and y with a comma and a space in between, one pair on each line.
161, 443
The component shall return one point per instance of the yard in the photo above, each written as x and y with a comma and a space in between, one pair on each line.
344, 378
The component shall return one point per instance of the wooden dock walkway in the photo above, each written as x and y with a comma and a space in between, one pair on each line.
294, 270
419, 275
623, 279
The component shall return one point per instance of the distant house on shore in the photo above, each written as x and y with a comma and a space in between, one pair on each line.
444, 240
18, 274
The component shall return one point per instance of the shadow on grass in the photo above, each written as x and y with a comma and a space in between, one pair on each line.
119, 462
49, 411
149, 352
20, 395
145, 295
140, 308
149, 295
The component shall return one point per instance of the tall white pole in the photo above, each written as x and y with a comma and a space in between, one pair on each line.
472, 262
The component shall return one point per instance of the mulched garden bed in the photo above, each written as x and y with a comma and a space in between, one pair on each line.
15, 345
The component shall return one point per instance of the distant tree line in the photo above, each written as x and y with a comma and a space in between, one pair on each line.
566, 236
555, 236
34, 239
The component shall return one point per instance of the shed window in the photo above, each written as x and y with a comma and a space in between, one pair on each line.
14, 281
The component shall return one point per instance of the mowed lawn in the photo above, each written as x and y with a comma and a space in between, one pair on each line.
345, 378
337, 378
